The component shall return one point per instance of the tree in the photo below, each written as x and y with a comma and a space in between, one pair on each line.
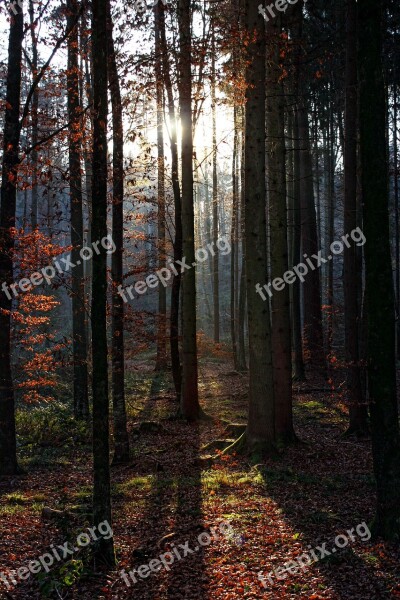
161, 362
260, 432
79, 341
280, 302
190, 406
121, 438
358, 409
378, 270
101, 466
12, 130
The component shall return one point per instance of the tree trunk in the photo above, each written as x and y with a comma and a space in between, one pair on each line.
260, 433
234, 243
298, 360
161, 361
104, 552
8, 455
190, 407
280, 301
379, 279
215, 191
176, 282
79, 341
242, 366
352, 315
121, 439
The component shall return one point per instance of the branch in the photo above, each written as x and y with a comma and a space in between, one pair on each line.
53, 134
42, 71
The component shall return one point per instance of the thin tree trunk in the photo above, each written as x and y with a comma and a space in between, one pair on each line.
104, 551
234, 242
121, 439
242, 283
161, 361
79, 341
11, 139
379, 278
34, 118
298, 361
176, 282
215, 191
358, 411
190, 407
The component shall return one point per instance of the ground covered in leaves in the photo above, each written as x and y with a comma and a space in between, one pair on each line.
168, 496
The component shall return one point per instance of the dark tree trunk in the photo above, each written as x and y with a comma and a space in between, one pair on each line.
121, 439
379, 278
190, 407
8, 455
161, 361
260, 433
176, 282
352, 315
215, 191
280, 302
101, 453
79, 341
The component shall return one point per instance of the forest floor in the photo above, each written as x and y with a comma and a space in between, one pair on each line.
278, 508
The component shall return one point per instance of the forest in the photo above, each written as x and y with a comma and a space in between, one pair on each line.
199, 299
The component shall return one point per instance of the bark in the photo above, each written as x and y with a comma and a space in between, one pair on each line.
79, 341
215, 192
260, 432
190, 407
11, 139
352, 315
312, 322
121, 439
34, 118
104, 552
280, 302
242, 283
161, 361
379, 280
298, 361
176, 282
234, 242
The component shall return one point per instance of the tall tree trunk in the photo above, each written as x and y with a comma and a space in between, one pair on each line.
379, 278
234, 242
8, 454
79, 341
260, 433
242, 366
161, 361
34, 118
176, 282
190, 407
215, 189
352, 315
298, 361
313, 334
280, 302
121, 439
101, 452
397, 210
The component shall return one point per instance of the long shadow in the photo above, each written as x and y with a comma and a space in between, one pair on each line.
328, 497
172, 515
